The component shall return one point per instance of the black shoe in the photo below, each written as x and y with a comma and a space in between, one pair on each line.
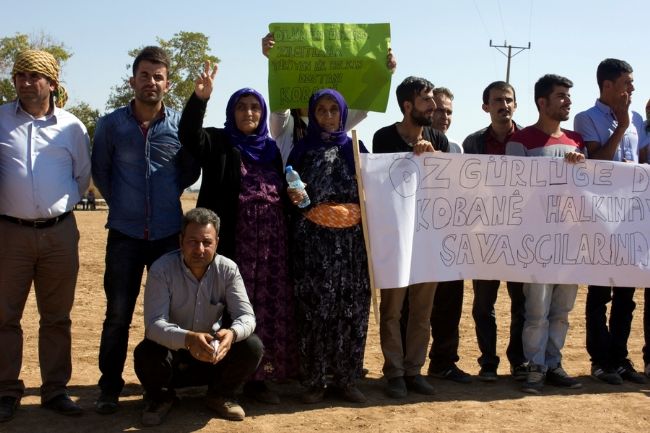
534, 380
63, 405
315, 394
519, 372
419, 384
606, 375
452, 373
107, 403
559, 377
488, 373
259, 390
8, 406
627, 372
396, 387
352, 394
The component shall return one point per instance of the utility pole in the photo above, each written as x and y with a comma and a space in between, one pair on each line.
509, 55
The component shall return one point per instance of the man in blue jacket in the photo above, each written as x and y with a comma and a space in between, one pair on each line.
140, 170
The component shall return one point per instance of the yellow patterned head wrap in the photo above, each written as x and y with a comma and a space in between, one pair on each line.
43, 63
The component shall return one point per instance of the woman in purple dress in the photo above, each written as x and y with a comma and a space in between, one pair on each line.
243, 183
329, 257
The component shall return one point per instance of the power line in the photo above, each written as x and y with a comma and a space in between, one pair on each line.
509, 55
503, 25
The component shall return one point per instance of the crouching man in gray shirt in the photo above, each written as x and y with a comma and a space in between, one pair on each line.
199, 324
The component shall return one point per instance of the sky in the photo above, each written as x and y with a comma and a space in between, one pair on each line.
445, 42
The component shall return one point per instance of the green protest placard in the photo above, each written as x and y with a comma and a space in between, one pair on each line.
350, 58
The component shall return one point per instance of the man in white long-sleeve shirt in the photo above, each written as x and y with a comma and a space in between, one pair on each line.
44, 170
190, 297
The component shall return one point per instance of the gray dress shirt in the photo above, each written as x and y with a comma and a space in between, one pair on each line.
175, 302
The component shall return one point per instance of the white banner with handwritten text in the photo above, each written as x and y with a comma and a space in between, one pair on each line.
444, 217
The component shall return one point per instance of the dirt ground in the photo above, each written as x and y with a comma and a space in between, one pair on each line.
476, 407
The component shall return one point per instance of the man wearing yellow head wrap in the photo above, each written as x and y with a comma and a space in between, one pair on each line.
44, 170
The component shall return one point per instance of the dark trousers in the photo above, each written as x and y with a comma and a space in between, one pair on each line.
646, 326
607, 346
485, 296
126, 259
445, 320
161, 370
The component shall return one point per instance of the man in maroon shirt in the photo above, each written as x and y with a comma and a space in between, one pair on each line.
500, 101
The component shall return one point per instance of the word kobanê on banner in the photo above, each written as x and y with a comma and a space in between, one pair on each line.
443, 216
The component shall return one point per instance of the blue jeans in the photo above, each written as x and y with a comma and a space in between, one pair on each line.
485, 296
547, 322
126, 259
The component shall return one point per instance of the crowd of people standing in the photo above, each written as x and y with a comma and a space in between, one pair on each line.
248, 287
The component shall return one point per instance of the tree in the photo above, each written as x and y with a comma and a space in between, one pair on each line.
87, 115
10, 46
187, 51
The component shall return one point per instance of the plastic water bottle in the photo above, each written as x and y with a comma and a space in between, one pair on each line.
293, 179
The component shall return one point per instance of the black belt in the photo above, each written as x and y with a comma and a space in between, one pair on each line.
37, 224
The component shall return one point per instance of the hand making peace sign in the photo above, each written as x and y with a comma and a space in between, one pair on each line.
203, 84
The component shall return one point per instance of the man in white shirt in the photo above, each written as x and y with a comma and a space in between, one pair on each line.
44, 171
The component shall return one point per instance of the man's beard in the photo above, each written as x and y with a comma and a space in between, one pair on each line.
419, 118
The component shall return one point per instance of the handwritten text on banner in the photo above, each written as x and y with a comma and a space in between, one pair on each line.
446, 217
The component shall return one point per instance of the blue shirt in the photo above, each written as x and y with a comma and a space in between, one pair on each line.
140, 176
44, 162
598, 124
175, 302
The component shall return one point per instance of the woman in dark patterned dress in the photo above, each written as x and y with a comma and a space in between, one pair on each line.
243, 183
329, 257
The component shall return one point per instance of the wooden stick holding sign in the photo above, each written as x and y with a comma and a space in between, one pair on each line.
364, 223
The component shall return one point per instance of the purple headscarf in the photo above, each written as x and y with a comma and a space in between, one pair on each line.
259, 147
317, 137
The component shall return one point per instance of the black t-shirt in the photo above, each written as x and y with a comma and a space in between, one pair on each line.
388, 140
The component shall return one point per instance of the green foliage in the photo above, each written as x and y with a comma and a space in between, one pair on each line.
10, 46
87, 115
187, 51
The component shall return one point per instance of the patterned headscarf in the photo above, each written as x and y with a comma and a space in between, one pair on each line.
317, 137
259, 147
44, 63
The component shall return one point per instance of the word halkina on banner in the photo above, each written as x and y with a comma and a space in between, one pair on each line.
499, 217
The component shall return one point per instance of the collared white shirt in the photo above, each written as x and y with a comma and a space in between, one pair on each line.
598, 124
44, 162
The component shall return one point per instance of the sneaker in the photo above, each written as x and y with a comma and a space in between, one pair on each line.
352, 394
8, 407
606, 375
226, 408
314, 394
452, 373
534, 380
259, 390
107, 403
488, 373
558, 377
396, 387
519, 372
155, 411
627, 372
419, 384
